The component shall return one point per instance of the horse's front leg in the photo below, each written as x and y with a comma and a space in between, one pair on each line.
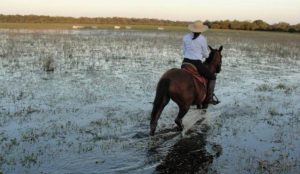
199, 106
181, 114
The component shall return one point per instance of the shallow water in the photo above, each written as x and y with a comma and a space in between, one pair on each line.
91, 114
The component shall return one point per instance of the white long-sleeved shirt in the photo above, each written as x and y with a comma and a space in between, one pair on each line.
195, 49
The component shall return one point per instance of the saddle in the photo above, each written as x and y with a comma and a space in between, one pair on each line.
199, 80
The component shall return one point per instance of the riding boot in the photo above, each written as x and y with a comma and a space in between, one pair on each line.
210, 93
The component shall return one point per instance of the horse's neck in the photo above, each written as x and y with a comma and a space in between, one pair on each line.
210, 67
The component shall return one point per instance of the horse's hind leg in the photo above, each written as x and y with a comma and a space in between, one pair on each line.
182, 111
156, 112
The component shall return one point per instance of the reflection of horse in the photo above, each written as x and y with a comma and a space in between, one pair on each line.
179, 85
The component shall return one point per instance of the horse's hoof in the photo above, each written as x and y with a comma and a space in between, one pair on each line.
204, 106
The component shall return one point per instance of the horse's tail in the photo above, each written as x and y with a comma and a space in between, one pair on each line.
161, 100
162, 91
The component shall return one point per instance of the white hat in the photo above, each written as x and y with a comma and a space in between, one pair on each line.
197, 27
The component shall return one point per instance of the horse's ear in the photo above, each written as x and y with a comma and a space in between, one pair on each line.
210, 48
221, 48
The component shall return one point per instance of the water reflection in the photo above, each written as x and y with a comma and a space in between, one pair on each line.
174, 153
188, 155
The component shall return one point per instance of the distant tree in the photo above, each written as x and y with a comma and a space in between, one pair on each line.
215, 26
261, 25
246, 25
208, 23
236, 25
281, 26
297, 27
292, 30
225, 24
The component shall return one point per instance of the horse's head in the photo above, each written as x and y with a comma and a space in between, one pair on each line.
215, 59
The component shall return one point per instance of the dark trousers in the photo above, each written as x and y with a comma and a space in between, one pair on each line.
203, 70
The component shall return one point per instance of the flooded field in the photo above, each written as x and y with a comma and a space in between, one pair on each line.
80, 102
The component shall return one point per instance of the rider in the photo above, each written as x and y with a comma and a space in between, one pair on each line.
195, 51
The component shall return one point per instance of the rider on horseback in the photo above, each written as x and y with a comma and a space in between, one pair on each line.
195, 51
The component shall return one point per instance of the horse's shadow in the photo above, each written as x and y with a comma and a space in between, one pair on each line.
188, 154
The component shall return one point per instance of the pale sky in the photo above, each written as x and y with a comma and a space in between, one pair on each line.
271, 11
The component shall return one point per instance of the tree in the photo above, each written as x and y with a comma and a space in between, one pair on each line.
246, 25
281, 26
297, 27
225, 24
261, 25
215, 26
236, 25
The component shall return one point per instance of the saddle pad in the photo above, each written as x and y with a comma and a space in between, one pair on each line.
190, 68
198, 79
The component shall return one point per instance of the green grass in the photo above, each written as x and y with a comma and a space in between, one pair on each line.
69, 26
34, 26
29, 160
264, 88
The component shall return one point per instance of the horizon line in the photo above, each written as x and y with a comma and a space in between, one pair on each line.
78, 17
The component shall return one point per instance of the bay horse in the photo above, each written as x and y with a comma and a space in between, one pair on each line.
178, 85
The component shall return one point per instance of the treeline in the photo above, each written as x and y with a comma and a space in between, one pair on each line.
87, 20
255, 25
224, 24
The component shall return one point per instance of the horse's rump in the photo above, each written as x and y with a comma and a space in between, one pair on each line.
186, 85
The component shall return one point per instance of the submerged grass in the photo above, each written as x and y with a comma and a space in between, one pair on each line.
97, 100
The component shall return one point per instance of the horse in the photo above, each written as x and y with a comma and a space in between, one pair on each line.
178, 85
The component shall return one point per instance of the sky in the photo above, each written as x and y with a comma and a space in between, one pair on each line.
271, 11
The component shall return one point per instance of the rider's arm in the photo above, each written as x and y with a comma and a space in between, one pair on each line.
205, 52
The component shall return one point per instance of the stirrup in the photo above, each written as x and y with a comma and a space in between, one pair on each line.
214, 101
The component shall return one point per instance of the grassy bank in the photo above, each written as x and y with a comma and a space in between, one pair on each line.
69, 26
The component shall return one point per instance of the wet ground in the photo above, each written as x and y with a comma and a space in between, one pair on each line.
80, 102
